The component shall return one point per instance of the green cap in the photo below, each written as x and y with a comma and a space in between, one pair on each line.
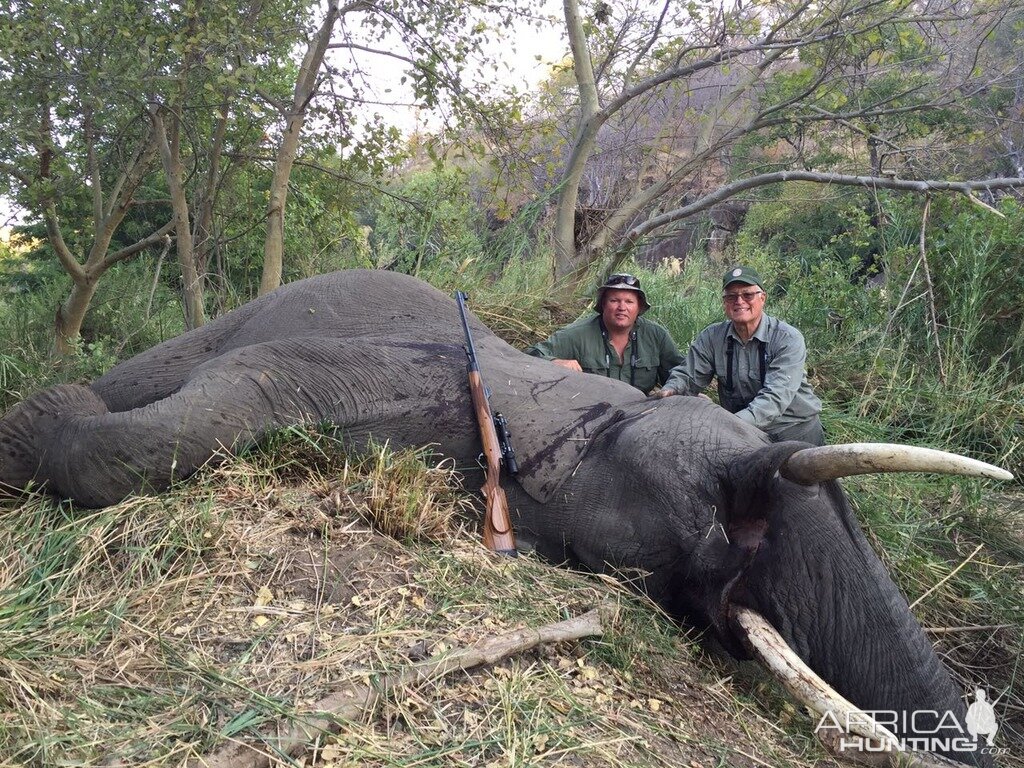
745, 275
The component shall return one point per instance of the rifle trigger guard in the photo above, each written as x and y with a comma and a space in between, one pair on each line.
481, 460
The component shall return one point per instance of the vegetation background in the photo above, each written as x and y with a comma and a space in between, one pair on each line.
173, 160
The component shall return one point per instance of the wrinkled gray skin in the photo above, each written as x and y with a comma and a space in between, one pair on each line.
676, 489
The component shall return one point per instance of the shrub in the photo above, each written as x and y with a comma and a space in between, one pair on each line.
429, 221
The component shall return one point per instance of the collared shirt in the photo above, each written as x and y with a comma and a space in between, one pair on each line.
785, 398
582, 341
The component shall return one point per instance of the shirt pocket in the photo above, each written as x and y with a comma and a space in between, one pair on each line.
595, 364
752, 376
646, 377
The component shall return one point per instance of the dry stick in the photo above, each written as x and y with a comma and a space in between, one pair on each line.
971, 628
930, 290
351, 702
885, 335
156, 276
947, 577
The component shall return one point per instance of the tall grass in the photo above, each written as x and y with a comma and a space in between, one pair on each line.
116, 328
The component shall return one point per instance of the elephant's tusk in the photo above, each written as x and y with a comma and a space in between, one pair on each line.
815, 465
768, 647
803, 683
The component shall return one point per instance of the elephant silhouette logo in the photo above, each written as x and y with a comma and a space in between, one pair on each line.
981, 718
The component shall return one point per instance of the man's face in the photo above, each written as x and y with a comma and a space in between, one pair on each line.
620, 309
744, 304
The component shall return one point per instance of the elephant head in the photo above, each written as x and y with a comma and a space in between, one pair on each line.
678, 496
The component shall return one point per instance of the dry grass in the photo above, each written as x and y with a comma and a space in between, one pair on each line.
406, 495
161, 629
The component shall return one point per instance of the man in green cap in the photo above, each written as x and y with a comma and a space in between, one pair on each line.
616, 342
759, 362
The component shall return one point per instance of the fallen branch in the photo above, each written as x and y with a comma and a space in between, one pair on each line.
348, 704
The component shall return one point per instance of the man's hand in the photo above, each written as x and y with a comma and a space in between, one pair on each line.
572, 365
669, 392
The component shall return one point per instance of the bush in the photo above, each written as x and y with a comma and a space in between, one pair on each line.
429, 222
116, 327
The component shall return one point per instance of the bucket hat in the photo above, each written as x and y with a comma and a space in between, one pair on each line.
622, 282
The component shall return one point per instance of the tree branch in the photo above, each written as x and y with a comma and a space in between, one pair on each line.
18, 173
647, 45
727, 191
141, 245
122, 193
351, 702
67, 259
96, 180
375, 51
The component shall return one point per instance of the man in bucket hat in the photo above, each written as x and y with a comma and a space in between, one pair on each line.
616, 342
759, 361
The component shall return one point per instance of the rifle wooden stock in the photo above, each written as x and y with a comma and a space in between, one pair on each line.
498, 535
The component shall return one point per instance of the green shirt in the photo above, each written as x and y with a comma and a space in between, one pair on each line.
783, 399
582, 341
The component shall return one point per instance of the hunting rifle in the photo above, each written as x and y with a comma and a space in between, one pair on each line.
494, 436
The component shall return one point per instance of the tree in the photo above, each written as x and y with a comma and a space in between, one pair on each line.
154, 110
752, 96
93, 94
294, 115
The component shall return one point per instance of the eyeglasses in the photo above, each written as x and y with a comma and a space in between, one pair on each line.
629, 280
747, 296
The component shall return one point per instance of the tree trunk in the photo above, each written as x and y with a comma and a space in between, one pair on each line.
305, 89
170, 154
202, 240
71, 315
568, 269
273, 245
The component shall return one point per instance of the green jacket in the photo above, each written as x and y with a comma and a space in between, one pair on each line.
582, 341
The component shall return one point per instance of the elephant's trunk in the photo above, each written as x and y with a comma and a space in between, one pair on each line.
24, 432
66, 438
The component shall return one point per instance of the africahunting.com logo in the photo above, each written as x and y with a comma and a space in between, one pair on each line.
932, 731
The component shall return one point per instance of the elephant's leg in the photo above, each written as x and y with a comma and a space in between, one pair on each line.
162, 370
343, 305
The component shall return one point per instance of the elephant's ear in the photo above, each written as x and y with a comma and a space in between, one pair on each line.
555, 416
749, 488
